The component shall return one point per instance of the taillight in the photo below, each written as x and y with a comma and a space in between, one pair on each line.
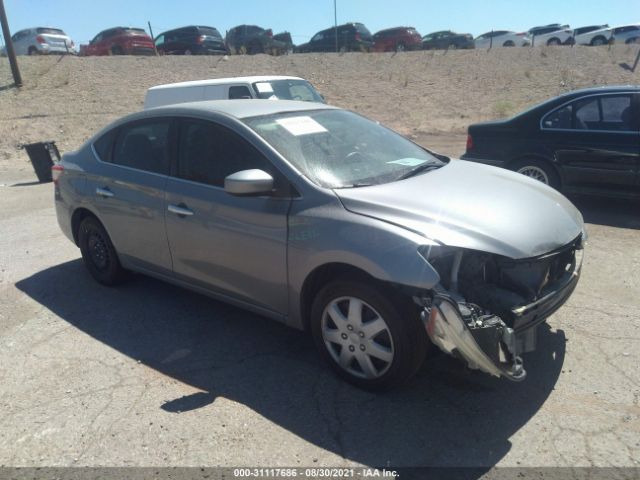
357, 37
469, 142
56, 172
40, 39
200, 40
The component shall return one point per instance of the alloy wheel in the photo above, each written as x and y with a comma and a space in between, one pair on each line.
357, 337
534, 172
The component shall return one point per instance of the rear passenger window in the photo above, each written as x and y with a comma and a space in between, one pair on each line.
238, 92
600, 113
209, 153
143, 146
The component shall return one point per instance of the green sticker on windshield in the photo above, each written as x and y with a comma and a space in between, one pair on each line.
409, 162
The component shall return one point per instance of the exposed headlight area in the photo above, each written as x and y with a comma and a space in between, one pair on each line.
486, 306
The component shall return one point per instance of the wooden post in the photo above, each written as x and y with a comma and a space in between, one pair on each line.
153, 38
11, 53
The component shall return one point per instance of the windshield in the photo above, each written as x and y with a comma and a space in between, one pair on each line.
288, 90
340, 149
210, 31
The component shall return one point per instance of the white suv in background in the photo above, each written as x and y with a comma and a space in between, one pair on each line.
593, 35
502, 38
627, 34
41, 40
554, 34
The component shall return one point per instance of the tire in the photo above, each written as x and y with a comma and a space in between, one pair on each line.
98, 253
453, 46
188, 52
598, 41
537, 169
632, 40
554, 42
509, 43
117, 50
386, 353
400, 47
33, 51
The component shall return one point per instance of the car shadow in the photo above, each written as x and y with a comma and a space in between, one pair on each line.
447, 416
611, 212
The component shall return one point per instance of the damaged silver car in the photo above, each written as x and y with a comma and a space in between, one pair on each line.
328, 222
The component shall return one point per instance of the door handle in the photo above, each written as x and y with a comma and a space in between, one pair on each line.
180, 210
104, 192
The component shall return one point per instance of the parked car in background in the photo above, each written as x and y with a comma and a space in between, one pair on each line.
553, 34
192, 40
593, 35
41, 41
251, 39
586, 141
447, 40
352, 37
502, 38
626, 34
274, 87
396, 39
331, 223
285, 37
120, 41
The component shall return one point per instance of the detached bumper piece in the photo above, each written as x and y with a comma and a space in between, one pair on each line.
483, 341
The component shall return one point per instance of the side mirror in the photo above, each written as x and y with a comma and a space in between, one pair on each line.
249, 182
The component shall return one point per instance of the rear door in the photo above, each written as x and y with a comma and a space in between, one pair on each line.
231, 245
596, 141
127, 187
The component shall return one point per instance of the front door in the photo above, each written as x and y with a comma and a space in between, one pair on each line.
231, 245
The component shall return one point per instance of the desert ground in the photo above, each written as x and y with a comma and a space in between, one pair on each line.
151, 375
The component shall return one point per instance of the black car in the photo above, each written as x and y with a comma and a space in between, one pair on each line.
586, 141
190, 40
352, 37
285, 37
447, 39
251, 39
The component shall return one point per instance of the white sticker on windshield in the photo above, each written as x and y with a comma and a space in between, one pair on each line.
301, 125
264, 87
409, 162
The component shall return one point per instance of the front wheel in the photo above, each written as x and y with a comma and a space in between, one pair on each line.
99, 254
370, 339
538, 170
553, 42
598, 41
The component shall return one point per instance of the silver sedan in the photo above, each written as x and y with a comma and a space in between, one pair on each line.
329, 222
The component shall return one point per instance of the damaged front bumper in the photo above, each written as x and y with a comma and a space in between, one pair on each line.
483, 340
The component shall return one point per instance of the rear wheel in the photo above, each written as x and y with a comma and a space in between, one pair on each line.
254, 47
554, 42
400, 47
370, 339
116, 50
33, 51
509, 43
538, 170
633, 40
188, 52
98, 253
453, 46
597, 41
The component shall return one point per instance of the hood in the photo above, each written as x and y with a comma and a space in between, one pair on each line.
474, 206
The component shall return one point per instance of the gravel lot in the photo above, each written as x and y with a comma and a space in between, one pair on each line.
147, 374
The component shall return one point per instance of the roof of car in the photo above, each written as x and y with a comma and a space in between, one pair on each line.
604, 88
222, 81
242, 108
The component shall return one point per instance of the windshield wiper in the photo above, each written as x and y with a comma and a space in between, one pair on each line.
355, 185
425, 167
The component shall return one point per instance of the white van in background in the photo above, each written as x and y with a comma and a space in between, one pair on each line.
261, 87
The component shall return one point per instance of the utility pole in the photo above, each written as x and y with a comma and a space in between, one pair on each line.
11, 53
335, 21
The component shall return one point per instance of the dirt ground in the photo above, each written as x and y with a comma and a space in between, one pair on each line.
147, 374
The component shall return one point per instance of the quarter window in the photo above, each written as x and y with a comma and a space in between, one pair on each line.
238, 92
143, 146
209, 153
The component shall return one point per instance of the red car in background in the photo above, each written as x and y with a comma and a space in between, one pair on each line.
120, 41
397, 39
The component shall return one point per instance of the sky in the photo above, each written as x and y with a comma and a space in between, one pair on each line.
83, 19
